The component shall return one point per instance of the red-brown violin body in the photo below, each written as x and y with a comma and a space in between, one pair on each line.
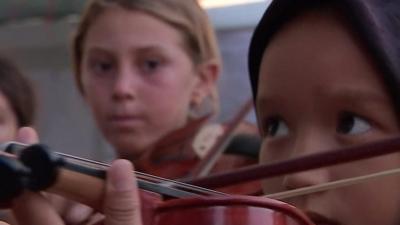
232, 210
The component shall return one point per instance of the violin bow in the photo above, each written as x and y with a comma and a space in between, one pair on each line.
309, 162
331, 185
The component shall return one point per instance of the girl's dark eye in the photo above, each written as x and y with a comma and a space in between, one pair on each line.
104, 67
351, 124
276, 127
101, 67
150, 65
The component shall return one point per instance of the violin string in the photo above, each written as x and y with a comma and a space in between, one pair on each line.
167, 183
331, 185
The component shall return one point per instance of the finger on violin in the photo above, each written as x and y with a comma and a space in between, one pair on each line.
27, 135
3, 223
34, 209
78, 214
96, 219
122, 204
72, 213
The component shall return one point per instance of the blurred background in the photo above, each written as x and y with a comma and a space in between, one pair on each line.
36, 34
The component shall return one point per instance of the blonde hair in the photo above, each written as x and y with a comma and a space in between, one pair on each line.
186, 16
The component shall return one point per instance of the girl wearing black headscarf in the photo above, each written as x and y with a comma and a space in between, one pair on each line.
325, 75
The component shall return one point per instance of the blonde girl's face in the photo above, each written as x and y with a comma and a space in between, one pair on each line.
8, 120
319, 91
137, 78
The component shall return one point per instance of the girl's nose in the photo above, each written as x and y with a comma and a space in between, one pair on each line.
309, 143
306, 179
124, 86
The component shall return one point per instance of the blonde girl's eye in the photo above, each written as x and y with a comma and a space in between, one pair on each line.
150, 65
276, 127
101, 67
352, 124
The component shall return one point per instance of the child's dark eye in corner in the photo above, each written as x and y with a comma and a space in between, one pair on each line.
352, 124
276, 127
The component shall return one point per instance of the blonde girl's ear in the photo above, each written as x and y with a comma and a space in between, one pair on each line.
205, 95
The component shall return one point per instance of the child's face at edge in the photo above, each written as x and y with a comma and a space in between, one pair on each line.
137, 78
318, 90
8, 120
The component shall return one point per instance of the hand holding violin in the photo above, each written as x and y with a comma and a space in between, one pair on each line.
121, 201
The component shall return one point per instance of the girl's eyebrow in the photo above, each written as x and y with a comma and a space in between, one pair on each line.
97, 50
265, 100
355, 93
140, 49
269, 101
150, 49
351, 93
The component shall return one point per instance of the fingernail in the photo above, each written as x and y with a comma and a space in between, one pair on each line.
121, 173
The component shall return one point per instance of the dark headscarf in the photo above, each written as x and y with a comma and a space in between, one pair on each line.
376, 23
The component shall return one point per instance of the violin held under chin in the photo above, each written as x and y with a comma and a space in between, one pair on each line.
163, 201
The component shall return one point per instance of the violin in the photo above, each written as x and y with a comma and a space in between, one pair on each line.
163, 201
197, 150
160, 197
